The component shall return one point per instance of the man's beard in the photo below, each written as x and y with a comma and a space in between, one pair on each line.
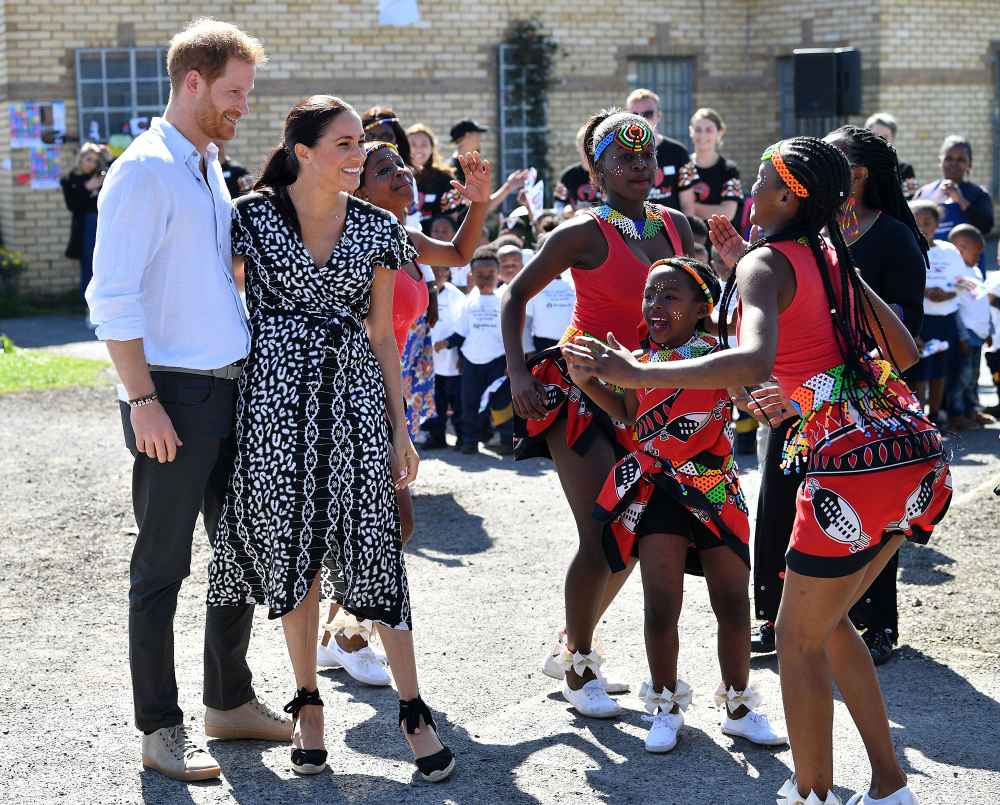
212, 123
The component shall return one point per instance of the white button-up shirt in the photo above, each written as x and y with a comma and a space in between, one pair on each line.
163, 260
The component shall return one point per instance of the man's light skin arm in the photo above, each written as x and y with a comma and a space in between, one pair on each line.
154, 432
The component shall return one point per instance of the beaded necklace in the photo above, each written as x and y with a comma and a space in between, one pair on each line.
636, 228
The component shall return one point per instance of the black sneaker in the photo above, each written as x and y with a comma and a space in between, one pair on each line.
434, 443
879, 642
763, 641
469, 449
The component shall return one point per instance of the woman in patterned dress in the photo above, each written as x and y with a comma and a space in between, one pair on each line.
320, 418
387, 182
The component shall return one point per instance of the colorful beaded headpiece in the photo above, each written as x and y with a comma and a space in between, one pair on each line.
372, 147
632, 135
773, 156
381, 121
671, 263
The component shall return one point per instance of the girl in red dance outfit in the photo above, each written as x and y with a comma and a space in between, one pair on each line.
675, 499
609, 249
875, 470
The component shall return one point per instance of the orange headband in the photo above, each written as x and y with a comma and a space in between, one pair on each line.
785, 173
693, 274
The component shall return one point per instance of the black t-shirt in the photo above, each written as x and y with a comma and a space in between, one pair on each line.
574, 188
435, 195
456, 168
716, 184
674, 170
238, 178
892, 263
908, 179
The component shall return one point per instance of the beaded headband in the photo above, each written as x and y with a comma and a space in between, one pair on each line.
371, 148
381, 121
670, 263
773, 155
631, 135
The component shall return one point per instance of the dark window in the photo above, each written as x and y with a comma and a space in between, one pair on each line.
114, 85
522, 129
673, 81
788, 124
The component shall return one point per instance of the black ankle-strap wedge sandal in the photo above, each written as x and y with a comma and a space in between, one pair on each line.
305, 761
433, 768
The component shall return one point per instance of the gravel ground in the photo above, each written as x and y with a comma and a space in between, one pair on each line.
485, 565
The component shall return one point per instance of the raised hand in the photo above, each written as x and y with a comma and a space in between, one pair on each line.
478, 178
726, 241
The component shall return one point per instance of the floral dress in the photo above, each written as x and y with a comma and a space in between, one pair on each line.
311, 486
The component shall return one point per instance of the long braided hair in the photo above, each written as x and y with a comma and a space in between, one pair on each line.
883, 190
826, 174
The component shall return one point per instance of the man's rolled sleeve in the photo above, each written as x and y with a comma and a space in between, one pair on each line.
131, 222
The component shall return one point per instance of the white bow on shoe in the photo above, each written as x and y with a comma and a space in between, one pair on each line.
735, 699
665, 699
789, 794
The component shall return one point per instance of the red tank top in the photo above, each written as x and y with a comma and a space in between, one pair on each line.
409, 302
807, 343
609, 297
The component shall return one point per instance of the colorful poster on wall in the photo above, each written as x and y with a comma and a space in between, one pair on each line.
45, 168
37, 123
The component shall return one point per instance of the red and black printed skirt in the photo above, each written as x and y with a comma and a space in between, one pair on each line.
585, 420
864, 482
705, 504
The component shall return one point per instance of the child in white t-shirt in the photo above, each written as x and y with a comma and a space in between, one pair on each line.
940, 323
549, 313
973, 329
447, 376
477, 334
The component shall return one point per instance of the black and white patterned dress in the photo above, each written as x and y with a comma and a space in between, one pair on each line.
311, 486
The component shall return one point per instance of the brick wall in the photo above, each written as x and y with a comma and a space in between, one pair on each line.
444, 70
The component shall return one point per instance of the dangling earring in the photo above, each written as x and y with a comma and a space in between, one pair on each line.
847, 217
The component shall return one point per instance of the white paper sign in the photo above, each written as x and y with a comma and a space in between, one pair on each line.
398, 12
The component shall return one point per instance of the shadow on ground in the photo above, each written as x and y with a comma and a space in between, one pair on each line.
47, 331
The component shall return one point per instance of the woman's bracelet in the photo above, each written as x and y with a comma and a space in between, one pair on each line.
145, 399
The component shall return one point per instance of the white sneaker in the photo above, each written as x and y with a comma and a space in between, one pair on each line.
325, 658
789, 794
362, 665
592, 700
662, 735
171, 752
904, 796
755, 727
551, 667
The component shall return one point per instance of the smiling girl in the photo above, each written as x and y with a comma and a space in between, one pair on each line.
675, 502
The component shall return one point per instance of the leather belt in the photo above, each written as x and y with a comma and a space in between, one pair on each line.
230, 372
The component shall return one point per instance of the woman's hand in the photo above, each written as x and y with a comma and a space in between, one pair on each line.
726, 241
768, 405
953, 192
527, 395
478, 178
404, 458
610, 362
94, 182
579, 374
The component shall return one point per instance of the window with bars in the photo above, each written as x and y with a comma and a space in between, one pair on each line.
788, 124
523, 129
673, 80
114, 85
